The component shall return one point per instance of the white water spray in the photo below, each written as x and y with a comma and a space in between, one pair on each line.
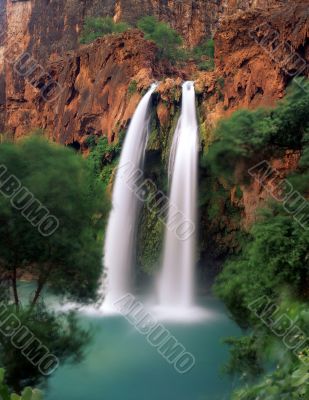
176, 282
121, 230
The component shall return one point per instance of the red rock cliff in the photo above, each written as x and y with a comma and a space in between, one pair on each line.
96, 78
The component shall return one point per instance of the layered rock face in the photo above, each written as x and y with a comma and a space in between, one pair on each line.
95, 79
93, 95
44, 30
257, 54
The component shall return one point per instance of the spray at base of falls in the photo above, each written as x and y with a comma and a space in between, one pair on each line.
176, 281
121, 230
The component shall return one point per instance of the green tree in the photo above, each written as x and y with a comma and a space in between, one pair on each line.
204, 55
103, 159
27, 394
248, 136
168, 41
57, 179
59, 333
95, 27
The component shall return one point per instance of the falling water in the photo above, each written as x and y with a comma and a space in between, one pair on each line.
176, 283
120, 234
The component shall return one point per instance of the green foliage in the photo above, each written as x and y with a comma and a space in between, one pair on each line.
204, 55
288, 382
98, 27
274, 265
103, 159
69, 260
244, 357
275, 257
151, 232
59, 332
208, 65
168, 41
27, 394
207, 48
132, 87
274, 261
247, 133
300, 178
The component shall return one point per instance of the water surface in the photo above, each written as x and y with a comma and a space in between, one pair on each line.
121, 365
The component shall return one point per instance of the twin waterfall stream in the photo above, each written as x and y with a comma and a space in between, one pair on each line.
175, 284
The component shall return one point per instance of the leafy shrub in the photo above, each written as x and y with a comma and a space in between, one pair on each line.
132, 88
97, 27
204, 55
289, 381
208, 65
275, 257
103, 159
27, 394
206, 48
244, 357
61, 333
248, 133
167, 39
274, 264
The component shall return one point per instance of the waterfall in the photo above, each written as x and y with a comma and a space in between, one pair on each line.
121, 230
176, 282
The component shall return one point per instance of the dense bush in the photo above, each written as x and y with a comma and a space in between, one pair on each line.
168, 41
97, 27
247, 134
204, 55
59, 332
275, 258
27, 394
103, 158
273, 263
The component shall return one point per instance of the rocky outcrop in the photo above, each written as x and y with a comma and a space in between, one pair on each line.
257, 54
258, 193
99, 90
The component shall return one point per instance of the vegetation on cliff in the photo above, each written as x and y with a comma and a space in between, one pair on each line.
204, 55
170, 45
168, 41
95, 27
273, 263
249, 135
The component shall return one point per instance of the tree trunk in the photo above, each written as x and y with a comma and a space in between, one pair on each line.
14, 286
41, 283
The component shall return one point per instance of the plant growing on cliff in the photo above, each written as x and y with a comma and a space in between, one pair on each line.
132, 87
168, 41
204, 55
240, 138
273, 262
95, 27
103, 159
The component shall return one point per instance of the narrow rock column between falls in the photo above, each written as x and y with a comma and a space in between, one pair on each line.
119, 246
176, 282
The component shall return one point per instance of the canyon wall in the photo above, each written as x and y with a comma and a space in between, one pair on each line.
94, 80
